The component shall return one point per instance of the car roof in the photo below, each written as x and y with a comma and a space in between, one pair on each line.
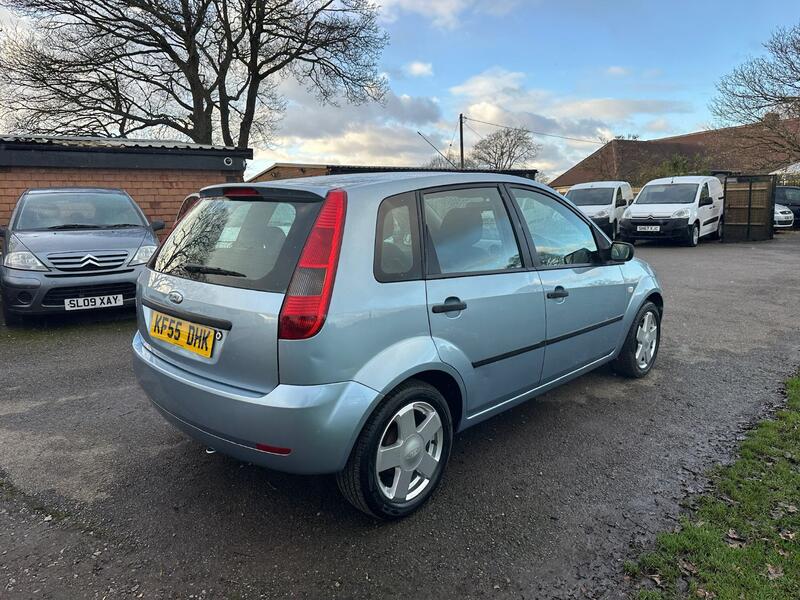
599, 184
684, 179
393, 180
94, 190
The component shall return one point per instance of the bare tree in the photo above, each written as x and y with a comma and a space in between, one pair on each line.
764, 93
203, 70
504, 149
451, 163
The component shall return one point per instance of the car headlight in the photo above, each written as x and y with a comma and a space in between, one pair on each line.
626, 214
143, 254
682, 213
24, 261
602, 213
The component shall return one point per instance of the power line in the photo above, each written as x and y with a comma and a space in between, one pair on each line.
473, 131
562, 137
437, 150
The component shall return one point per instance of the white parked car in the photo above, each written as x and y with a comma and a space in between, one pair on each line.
784, 218
603, 202
683, 208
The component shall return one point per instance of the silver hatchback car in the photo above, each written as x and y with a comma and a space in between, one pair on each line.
352, 324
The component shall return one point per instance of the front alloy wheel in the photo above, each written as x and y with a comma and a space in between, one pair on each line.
646, 340
400, 455
639, 351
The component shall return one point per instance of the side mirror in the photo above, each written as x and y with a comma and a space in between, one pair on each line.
621, 251
157, 225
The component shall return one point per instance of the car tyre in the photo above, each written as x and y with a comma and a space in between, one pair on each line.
693, 235
412, 431
638, 354
717, 235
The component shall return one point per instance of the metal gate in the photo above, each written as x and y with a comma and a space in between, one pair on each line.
749, 208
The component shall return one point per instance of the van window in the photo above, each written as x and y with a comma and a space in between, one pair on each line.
704, 192
620, 200
591, 196
667, 193
397, 254
251, 244
468, 231
560, 236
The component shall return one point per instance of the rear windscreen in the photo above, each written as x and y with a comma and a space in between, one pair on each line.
251, 244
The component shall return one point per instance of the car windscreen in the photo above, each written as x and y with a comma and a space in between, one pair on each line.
250, 244
76, 210
667, 193
591, 196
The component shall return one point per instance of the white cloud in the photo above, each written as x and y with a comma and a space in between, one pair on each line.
419, 69
659, 125
617, 71
445, 13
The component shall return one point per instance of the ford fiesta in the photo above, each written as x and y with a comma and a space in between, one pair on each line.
73, 249
352, 324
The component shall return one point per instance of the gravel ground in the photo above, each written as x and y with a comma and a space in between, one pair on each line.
99, 498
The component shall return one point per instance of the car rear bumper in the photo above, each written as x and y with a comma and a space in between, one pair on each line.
318, 424
668, 229
32, 292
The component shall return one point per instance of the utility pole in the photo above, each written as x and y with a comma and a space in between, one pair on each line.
461, 137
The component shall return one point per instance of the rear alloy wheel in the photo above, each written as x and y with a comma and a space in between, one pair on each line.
401, 454
641, 344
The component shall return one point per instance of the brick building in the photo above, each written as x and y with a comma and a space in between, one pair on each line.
157, 174
743, 149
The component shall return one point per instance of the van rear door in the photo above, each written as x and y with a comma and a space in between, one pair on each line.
212, 297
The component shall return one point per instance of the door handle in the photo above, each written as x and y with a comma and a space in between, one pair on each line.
559, 292
449, 307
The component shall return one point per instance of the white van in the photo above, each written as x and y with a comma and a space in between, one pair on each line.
603, 202
683, 208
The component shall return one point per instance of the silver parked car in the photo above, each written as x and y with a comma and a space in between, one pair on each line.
71, 249
352, 324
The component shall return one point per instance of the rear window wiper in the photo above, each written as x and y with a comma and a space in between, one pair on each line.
195, 268
75, 226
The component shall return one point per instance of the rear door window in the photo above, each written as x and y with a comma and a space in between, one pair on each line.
469, 231
397, 253
251, 244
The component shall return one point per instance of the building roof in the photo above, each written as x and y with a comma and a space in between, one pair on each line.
78, 141
117, 153
744, 148
331, 169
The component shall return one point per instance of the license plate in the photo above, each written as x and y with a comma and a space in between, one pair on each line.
92, 302
648, 228
184, 334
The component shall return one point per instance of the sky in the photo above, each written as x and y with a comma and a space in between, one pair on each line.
575, 68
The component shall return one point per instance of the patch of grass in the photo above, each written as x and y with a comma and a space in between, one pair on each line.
743, 539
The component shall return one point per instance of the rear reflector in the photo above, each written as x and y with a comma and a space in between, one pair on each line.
305, 306
273, 449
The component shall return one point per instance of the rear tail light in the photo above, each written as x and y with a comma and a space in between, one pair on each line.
305, 306
237, 192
